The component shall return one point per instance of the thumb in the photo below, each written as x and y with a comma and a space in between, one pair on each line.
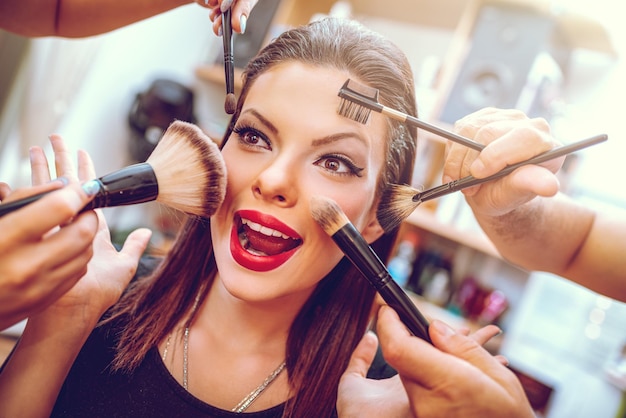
363, 355
136, 243
463, 347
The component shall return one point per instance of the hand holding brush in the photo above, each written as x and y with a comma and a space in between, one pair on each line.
185, 172
400, 201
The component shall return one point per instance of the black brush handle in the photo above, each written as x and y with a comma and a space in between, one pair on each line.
130, 185
469, 181
136, 183
359, 252
229, 58
9, 207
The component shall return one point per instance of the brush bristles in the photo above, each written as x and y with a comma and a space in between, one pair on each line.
396, 205
230, 104
190, 170
328, 214
353, 111
358, 101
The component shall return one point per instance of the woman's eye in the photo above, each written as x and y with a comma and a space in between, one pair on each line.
339, 165
252, 138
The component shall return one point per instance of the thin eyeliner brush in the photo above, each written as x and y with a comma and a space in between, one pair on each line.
400, 201
230, 103
357, 102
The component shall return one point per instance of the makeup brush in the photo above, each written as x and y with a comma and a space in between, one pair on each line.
229, 64
337, 225
399, 201
185, 172
358, 100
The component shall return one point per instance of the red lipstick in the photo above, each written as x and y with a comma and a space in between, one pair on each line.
263, 227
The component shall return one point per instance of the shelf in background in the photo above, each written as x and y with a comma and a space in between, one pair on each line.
427, 220
215, 74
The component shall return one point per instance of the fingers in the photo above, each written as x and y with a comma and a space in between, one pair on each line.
136, 243
510, 137
484, 334
432, 366
118, 268
62, 158
468, 349
56, 208
412, 357
510, 147
241, 10
363, 355
86, 169
39, 170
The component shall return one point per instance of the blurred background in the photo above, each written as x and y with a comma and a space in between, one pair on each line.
114, 94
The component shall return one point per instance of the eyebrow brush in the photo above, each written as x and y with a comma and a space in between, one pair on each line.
399, 201
230, 103
357, 102
336, 224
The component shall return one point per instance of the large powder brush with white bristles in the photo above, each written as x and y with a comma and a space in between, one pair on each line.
184, 172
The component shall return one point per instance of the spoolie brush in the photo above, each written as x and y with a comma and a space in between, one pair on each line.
230, 103
357, 102
399, 201
185, 172
337, 225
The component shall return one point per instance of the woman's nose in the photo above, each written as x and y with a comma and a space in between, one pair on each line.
276, 183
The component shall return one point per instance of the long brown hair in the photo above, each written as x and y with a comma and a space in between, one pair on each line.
333, 320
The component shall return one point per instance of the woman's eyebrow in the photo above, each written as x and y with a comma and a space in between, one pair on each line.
269, 125
328, 139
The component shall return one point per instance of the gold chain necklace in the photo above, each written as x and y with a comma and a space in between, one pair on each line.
245, 402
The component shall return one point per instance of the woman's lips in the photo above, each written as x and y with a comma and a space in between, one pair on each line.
261, 242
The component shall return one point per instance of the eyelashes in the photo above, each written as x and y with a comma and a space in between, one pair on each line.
336, 164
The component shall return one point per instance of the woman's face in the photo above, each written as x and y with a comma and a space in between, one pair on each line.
288, 145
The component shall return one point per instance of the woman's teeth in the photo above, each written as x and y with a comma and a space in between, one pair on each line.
263, 229
263, 241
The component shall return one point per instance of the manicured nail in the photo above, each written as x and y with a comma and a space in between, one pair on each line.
226, 5
91, 188
220, 31
243, 20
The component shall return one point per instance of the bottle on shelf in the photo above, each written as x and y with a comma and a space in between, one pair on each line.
401, 265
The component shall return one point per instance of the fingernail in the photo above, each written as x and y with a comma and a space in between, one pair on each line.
220, 31
91, 188
243, 20
226, 5
442, 328
206, 2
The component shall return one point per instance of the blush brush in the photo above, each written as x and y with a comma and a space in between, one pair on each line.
358, 100
399, 201
184, 172
336, 224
